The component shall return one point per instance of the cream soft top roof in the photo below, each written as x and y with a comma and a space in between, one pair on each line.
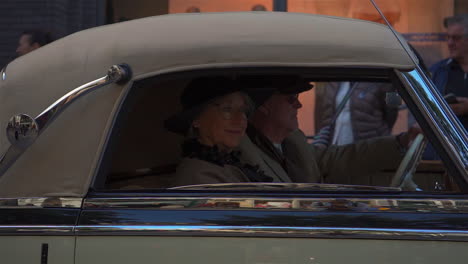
193, 40
60, 163
271, 38
203, 39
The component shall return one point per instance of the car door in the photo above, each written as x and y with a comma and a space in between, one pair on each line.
38, 230
131, 216
272, 227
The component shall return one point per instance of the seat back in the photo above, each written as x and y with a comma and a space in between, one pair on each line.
145, 154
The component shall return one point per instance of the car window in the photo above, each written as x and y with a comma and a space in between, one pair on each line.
360, 111
335, 116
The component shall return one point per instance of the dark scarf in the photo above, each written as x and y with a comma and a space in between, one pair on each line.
192, 148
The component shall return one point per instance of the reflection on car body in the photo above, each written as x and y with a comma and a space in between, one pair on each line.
93, 182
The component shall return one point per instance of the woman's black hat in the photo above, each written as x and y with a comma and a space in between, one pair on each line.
195, 95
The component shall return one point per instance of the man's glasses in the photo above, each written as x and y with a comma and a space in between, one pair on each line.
455, 38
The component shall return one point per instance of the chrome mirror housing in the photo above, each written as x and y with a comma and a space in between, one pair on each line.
22, 130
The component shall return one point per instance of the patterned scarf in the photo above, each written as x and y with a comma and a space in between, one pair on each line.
192, 148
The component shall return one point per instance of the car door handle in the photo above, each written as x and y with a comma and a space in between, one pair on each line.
44, 253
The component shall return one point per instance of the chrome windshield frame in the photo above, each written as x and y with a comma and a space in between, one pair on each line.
438, 115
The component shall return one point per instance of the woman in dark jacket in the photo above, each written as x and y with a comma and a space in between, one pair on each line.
214, 120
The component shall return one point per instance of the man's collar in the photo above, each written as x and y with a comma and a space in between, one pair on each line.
453, 64
449, 61
265, 144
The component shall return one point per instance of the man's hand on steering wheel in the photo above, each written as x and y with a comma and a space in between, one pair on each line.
405, 139
403, 177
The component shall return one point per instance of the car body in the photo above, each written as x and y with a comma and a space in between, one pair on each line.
67, 188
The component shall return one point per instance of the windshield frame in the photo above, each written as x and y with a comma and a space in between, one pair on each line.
442, 126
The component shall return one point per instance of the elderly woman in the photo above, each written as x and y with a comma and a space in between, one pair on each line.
214, 120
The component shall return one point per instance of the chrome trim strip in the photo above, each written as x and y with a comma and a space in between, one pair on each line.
276, 231
41, 230
303, 204
273, 186
251, 231
437, 113
41, 202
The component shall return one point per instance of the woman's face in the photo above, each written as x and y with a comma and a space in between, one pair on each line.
223, 122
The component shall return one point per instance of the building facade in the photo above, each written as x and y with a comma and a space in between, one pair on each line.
420, 21
60, 17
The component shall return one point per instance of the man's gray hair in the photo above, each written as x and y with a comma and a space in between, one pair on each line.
461, 19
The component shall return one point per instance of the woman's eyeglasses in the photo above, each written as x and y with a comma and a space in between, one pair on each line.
228, 111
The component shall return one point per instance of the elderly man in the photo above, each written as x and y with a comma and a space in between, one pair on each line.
280, 149
451, 75
31, 40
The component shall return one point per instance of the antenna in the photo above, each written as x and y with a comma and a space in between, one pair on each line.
405, 47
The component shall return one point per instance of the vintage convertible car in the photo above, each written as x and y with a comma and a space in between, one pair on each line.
86, 161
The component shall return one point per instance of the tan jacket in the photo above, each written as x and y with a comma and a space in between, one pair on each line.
349, 164
195, 171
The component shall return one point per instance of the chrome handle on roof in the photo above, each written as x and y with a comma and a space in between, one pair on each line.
116, 74
22, 130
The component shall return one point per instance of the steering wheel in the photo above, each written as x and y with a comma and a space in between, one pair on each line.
403, 177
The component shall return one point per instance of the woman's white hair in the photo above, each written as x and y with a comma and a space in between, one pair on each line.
193, 132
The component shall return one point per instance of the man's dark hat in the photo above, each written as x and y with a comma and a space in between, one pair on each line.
195, 95
261, 87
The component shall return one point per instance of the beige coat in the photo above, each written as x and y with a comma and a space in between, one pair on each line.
349, 164
195, 171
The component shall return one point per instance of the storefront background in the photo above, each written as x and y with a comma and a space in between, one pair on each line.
420, 21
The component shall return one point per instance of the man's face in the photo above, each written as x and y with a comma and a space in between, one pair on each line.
25, 46
282, 109
457, 42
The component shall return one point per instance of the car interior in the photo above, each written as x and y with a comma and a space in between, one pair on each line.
142, 154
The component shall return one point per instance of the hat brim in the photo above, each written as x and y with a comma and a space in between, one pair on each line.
180, 123
260, 91
298, 87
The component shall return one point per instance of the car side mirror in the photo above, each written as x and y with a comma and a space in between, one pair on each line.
393, 99
22, 130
